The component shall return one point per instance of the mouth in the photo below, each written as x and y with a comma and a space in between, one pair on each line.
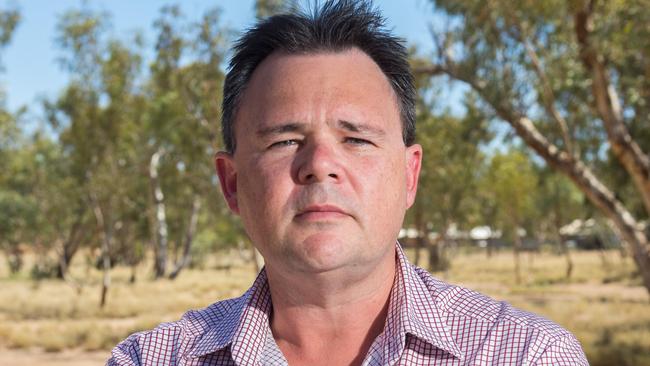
321, 213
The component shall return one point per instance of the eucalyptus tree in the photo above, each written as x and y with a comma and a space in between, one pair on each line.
16, 208
571, 79
37, 194
447, 190
512, 182
183, 109
448, 180
558, 203
96, 117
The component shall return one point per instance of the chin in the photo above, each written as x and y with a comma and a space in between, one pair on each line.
325, 252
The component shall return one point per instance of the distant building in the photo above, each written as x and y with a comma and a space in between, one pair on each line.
589, 235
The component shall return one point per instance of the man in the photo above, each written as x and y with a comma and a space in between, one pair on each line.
321, 166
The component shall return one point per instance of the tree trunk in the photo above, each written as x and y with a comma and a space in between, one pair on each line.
569, 261
433, 256
161, 234
106, 226
489, 247
132, 278
564, 249
14, 258
71, 245
609, 108
189, 237
437, 261
516, 248
635, 161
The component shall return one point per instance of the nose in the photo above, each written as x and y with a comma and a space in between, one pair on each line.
318, 162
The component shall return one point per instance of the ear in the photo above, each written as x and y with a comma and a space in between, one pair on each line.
227, 173
413, 165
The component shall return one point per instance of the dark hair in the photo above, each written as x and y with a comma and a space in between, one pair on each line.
335, 26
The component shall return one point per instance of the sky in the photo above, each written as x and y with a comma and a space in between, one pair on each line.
31, 71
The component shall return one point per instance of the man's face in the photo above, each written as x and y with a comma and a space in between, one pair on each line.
320, 176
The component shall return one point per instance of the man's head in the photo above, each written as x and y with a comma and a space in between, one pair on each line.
321, 175
337, 26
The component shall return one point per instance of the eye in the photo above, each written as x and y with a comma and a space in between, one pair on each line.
357, 141
283, 143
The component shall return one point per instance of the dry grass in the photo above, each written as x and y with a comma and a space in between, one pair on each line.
604, 305
54, 315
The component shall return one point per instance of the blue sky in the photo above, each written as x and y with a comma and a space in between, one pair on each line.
31, 71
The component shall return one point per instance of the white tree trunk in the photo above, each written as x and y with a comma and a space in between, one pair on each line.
161, 234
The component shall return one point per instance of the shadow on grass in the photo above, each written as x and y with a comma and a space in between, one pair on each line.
624, 276
606, 352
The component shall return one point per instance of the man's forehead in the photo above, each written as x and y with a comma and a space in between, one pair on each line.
347, 80
281, 69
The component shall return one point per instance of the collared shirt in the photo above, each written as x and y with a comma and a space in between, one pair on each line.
429, 322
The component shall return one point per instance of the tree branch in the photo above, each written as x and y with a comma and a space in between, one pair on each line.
608, 107
548, 96
431, 70
576, 170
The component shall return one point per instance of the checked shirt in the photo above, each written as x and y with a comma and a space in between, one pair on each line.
429, 323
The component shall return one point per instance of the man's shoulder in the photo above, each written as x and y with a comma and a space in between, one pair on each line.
479, 323
175, 340
458, 301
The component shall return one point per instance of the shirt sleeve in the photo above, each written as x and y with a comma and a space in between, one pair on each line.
563, 352
127, 353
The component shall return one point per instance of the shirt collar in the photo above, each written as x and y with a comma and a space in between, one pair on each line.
413, 310
244, 327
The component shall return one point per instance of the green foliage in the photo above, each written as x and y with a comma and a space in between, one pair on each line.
512, 183
498, 43
449, 178
112, 117
17, 209
17, 217
9, 20
266, 8
558, 202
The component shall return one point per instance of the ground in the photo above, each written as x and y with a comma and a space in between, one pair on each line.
26, 357
51, 322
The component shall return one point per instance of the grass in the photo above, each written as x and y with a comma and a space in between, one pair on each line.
54, 315
603, 303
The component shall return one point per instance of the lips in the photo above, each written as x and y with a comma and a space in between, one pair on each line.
321, 212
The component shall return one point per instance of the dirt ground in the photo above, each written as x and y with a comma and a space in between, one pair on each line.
35, 357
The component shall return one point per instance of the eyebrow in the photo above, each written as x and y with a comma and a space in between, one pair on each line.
280, 129
299, 127
360, 128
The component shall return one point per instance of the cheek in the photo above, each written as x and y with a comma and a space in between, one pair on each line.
264, 188
381, 184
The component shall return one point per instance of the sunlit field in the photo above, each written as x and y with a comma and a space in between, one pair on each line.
43, 322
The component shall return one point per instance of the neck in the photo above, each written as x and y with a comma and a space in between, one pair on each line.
318, 316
